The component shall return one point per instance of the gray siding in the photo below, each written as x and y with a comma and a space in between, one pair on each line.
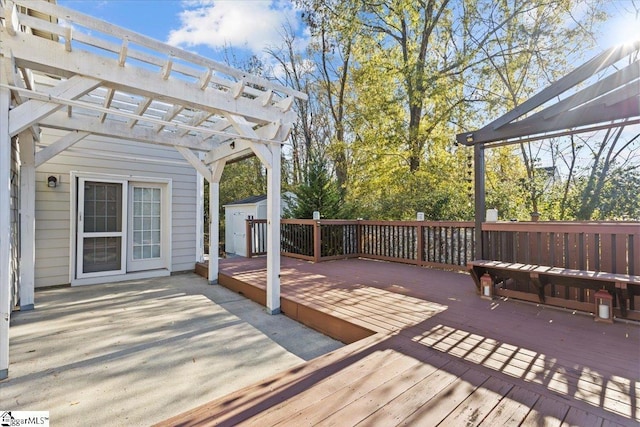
104, 155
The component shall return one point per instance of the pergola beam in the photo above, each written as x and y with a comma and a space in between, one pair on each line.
149, 43
137, 81
583, 72
584, 116
120, 130
57, 147
32, 111
614, 97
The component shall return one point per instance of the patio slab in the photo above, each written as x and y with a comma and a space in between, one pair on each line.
139, 352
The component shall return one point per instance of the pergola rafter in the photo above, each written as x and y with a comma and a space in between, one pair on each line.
68, 71
602, 93
604, 101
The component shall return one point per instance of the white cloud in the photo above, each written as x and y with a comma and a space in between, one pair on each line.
250, 24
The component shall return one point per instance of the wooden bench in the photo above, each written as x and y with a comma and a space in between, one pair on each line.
624, 286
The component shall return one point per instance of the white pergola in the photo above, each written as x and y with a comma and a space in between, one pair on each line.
65, 70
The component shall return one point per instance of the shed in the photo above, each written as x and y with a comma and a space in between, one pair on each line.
235, 216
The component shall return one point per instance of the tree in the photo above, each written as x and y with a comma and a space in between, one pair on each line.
334, 33
533, 46
318, 193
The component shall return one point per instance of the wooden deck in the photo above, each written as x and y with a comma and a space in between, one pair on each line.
431, 352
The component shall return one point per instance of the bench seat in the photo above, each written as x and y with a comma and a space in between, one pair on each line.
622, 285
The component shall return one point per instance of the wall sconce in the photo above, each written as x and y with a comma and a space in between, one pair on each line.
232, 145
486, 286
52, 181
604, 306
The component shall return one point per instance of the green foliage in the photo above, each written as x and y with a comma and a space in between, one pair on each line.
319, 192
243, 179
621, 196
391, 83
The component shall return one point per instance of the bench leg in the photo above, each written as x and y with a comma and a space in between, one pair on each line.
535, 280
622, 294
475, 275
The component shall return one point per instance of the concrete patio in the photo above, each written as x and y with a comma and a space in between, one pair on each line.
139, 352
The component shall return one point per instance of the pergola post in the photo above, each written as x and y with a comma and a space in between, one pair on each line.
480, 202
214, 219
199, 217
27, 220
5, 229
273, 231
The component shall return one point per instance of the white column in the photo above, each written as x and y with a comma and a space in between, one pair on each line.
27, 220
5, 230
214, 231
199, 218
214, 218
273, 232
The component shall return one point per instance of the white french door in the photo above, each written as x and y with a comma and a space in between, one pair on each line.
146, 248
101, 227
122, 226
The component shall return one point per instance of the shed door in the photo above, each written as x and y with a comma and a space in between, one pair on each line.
239, 233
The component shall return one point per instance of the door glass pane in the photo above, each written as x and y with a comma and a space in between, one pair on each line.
146, 223
102, 207
101, 254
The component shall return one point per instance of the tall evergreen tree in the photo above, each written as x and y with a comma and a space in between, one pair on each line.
319, 192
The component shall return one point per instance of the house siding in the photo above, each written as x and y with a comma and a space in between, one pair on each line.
103, 155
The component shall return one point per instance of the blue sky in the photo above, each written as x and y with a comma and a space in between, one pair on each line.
250, 26
202, 26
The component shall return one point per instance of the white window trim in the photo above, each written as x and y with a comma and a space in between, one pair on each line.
105, 278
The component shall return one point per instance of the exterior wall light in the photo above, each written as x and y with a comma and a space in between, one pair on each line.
52, 181
604, 306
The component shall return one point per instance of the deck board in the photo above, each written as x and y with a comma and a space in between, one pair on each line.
479, 403
440, 354
387, 365
512, 409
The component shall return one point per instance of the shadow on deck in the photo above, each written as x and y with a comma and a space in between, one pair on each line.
435, 353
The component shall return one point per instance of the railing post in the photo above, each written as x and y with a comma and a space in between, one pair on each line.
317, 248
420, 243
249, 238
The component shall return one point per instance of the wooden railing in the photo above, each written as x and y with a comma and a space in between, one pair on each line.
441, 244
612, 247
